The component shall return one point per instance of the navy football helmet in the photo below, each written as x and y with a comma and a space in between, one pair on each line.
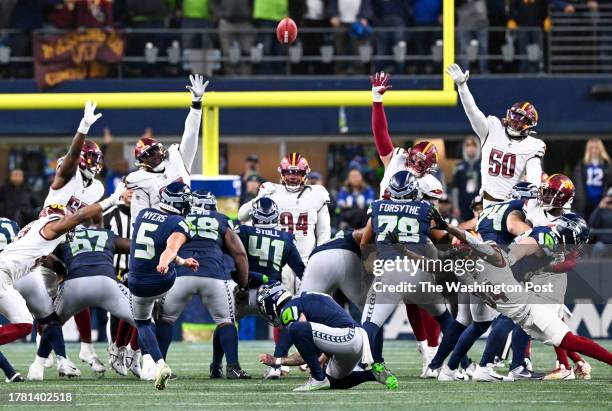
403, 186
270, 300
204, 200
176, 198
264, 212
524, 191
572, 230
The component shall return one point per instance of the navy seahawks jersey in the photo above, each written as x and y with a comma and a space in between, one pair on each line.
207, 231
269, 250
547, 241
91, 252
342, 241
318, 308
8, 230
151, 231
492, 221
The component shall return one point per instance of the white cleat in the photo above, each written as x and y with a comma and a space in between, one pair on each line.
498, 362
36, 372
528, 364
50, 361
149, 370
162, 376
430, 373
272, 373
113, 352
313, 385
488, 374
285, 370
583, 370
446, 374
132, 361
560, 373
119, 363
426, 354
66, 368
469, 371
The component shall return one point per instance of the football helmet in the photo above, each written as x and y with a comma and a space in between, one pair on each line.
422, 158
403, 186
264, 212
556, 192
524, 191
572, 229
149, 154
176, 198
270, 300
91, 159
204, 200
293, 170
520, 118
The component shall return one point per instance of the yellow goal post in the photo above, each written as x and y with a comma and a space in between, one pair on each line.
215, 100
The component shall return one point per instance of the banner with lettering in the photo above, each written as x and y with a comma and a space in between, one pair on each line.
75, 55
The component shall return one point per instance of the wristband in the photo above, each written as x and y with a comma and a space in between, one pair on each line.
196, 105
376, 96
83, 127
107, 202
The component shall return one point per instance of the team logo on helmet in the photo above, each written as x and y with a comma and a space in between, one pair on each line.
264, 212
91, 159
524, 191
293, 170
176, 198
149, 153
571, 229
556, 192
403, 186
520, 119
422, 158
270, 300
204, 200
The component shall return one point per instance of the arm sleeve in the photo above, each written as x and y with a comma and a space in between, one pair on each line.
323, 229
382, 139
533, 170
295, 261
189, 141
478, 120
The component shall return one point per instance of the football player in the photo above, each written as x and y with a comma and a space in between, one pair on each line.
317, 324
159, 233
211, 234
75, 187
158, 167
509, 146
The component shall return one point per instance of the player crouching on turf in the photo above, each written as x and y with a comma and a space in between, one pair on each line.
159, 233
318, 325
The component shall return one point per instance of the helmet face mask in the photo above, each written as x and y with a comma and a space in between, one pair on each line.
150, 154
91, 160
422, 158
520, 119
293, 170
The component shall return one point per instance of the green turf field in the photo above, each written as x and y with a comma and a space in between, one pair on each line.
193, 389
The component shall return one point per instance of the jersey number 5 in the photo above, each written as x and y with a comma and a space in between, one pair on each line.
500, 163
286, 221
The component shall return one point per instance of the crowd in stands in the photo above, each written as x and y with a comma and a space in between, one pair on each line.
235, 28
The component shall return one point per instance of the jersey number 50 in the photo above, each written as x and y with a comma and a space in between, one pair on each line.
500, 163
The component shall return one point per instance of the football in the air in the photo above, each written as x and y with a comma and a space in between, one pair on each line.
286, 31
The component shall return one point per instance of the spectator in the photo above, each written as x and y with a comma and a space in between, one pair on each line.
195, 14
94, 13
315, 179
16, 199
601, 219
313, 15
473, 23
235, 31
445, 207
251, 166
390, 14
352, 18
60, 14
267, 14
426, 14
354, 198
466, 179
592, 176
253, 182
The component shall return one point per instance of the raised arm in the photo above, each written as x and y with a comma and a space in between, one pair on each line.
244, 212
189, 141
236, 249
478, 120
382, 139
70, 162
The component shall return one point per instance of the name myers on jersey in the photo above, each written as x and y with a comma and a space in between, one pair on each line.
152, 215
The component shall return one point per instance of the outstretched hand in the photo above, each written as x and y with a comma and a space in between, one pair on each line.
380, 84
458, 76
197, 87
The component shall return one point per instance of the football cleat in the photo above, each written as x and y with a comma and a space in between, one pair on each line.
15, 378
313, 385
528, 364
132, 361
119, 362
488, 374
285, 370
446, 374
113, 352
173, 376
498, 362
36, 371
149, 368
163, 375
384, 376
216, 371
560, 373
66, 368
522, 373
272, 373
50, 360
423, 349
234, 372
430, 373
96, 365
583, 370
469, 371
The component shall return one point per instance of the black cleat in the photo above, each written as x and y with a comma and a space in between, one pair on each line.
234, 372
216, 371
15, 378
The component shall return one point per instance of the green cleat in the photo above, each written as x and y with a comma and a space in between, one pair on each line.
163, 375
384, 376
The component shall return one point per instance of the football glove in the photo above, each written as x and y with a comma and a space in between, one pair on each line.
435, 216
393, 237
89, 117
458, 76
266, 190
197, 88
380, 84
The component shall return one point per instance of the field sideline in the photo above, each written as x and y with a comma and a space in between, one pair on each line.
193, 388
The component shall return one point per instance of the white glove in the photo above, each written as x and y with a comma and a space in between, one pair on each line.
458, 76
197, 88
89, 117
266, 190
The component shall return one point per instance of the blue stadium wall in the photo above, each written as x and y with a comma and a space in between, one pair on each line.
566, 106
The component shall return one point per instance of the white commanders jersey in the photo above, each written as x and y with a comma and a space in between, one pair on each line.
147, 185
538, 216
74, 195
504, 160
299, 214
30, 245
398, 163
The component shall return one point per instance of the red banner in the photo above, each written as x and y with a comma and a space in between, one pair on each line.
75, 55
